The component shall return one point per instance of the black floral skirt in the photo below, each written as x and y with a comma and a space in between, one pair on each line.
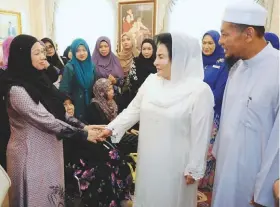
96, 175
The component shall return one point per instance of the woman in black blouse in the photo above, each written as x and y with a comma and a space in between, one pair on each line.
142, 67
101, 168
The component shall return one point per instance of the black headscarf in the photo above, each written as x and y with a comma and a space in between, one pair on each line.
65, 54
20, 72
145, 66
54, 60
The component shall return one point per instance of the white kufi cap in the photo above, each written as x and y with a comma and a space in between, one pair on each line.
246, 12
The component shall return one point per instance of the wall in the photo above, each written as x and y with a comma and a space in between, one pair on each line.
21, 6
32, 15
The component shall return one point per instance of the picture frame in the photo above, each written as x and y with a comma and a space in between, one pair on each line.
10, 24
137, 18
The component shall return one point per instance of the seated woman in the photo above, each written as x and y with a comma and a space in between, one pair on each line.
96, 174
102, 109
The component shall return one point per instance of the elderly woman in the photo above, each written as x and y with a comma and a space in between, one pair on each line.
102, 169
38, 123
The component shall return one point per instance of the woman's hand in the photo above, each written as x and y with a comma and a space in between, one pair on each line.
189, 180
46, 63
104, 134
255, 204
276, 192
93, 127
93, 135
112, 79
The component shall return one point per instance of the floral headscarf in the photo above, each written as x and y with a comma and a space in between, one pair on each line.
100, 90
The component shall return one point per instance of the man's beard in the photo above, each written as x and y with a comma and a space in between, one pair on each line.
230, 61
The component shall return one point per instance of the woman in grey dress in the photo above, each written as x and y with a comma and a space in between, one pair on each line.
38, 123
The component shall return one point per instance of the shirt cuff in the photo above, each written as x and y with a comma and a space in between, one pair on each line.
115, 137
196, 173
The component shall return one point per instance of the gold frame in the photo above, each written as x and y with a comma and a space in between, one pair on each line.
134, 2
18, 15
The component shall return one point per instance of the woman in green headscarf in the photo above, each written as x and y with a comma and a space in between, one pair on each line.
78, 77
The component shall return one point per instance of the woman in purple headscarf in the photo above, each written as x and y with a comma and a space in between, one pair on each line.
107, 64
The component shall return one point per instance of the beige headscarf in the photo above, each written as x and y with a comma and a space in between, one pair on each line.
126, 56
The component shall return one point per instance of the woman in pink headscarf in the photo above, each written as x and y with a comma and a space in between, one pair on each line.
6, 50
4, 120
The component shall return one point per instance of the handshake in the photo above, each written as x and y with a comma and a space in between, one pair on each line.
97, 133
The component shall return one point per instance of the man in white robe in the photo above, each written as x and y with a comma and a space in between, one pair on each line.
247, 146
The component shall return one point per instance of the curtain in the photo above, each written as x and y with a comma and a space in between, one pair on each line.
164, 10
272, 23
37, 18
50, 13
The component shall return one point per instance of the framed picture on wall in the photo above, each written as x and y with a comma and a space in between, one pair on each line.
137, 18
10, 24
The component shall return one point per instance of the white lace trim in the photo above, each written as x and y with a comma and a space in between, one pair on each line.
195, 171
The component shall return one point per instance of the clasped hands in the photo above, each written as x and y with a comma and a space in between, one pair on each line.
97, 133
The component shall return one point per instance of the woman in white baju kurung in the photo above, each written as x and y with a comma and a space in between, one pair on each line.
176, 118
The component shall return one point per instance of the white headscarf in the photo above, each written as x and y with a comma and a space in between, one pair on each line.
186, 72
